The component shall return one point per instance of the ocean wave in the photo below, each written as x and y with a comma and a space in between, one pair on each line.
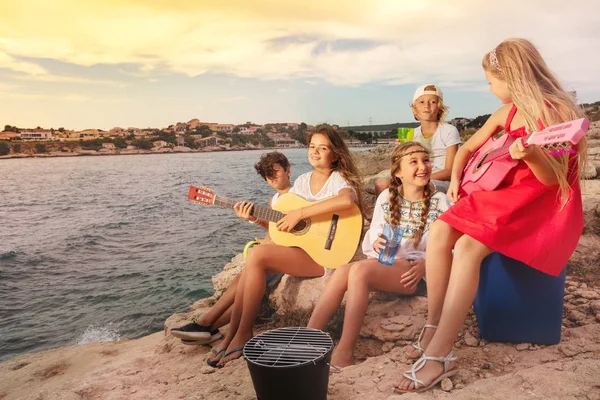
97, 334
9, 255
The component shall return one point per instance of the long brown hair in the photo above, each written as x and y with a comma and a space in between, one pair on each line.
344, 164
395, 187
537, 93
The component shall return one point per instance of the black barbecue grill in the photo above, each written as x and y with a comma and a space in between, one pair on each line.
290, 363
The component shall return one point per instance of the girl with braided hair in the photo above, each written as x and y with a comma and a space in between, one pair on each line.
410, 202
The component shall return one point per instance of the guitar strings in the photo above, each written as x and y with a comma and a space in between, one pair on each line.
270, 215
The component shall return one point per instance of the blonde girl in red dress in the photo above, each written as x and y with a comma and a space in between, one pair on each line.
534, 216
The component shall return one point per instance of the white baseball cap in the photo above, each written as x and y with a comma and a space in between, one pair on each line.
428, 89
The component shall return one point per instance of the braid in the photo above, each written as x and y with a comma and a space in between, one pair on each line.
427, 192
395, 200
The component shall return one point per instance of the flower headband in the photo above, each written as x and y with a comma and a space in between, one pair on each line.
408, 154
494, 60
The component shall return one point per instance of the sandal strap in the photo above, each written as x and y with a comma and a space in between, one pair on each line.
446, 360
420, 363
417, 344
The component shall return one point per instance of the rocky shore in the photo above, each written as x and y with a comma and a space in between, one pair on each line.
159, 366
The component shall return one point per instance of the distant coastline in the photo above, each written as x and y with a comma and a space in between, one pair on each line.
163, 150
108, 152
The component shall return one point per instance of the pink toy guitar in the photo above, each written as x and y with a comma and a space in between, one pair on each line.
491, 162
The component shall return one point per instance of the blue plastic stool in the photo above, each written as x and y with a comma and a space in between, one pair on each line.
516, 303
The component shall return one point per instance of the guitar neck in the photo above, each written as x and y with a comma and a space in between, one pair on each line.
503, 151
257, 211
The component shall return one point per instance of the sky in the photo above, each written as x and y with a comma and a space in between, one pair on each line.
82, 64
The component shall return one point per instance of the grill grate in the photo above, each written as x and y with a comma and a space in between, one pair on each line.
288, 347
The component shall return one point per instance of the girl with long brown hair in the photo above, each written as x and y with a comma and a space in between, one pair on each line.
335, 180
410, 203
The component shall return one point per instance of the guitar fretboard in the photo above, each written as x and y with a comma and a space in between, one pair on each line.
257, 211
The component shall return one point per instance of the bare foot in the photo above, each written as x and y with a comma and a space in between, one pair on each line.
414, 353
341, 358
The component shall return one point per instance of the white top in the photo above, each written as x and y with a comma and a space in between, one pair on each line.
445, 136
410, 218
274, 199
332, 187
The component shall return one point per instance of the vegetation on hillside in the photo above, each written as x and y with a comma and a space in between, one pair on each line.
4, 148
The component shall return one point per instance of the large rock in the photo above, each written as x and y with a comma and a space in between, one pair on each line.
223, 279
375, 160
298, 294
590, 170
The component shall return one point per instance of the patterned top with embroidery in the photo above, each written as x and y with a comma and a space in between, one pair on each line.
410, 219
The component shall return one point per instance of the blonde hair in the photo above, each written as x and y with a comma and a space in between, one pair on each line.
395, 186
443, 109
537, 94
344, 164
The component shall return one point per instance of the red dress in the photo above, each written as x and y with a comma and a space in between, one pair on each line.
522, 218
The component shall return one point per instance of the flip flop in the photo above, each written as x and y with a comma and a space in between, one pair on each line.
231, 352
212, 363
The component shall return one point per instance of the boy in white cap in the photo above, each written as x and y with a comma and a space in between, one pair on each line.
440, 138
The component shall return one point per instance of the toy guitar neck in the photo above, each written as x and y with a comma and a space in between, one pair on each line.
491, 162
557, 139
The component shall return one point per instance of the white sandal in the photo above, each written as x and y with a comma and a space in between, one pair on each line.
420, 363
417, 344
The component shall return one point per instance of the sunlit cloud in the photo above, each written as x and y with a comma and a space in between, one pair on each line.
206, 59
10, 63
342, 43
69, 79
68, 97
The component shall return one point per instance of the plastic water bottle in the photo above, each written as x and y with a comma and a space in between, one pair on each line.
393, 236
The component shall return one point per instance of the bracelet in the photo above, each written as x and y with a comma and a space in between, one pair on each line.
253, 222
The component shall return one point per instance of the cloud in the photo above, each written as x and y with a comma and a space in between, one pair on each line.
66, 97
9, 62
70, 79
340, 42
235, 99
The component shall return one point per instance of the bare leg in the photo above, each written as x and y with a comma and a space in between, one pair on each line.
460, 293
220, 313
223, 319
331, 298
380, 185
265, 259
440, 242
365, 276
236, 312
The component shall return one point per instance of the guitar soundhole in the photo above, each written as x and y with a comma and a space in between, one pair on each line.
301, 227
480, 163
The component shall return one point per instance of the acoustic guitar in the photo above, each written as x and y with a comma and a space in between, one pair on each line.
492, 162
329, 239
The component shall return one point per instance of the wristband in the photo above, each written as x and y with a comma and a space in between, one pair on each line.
247, 247
253, 222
